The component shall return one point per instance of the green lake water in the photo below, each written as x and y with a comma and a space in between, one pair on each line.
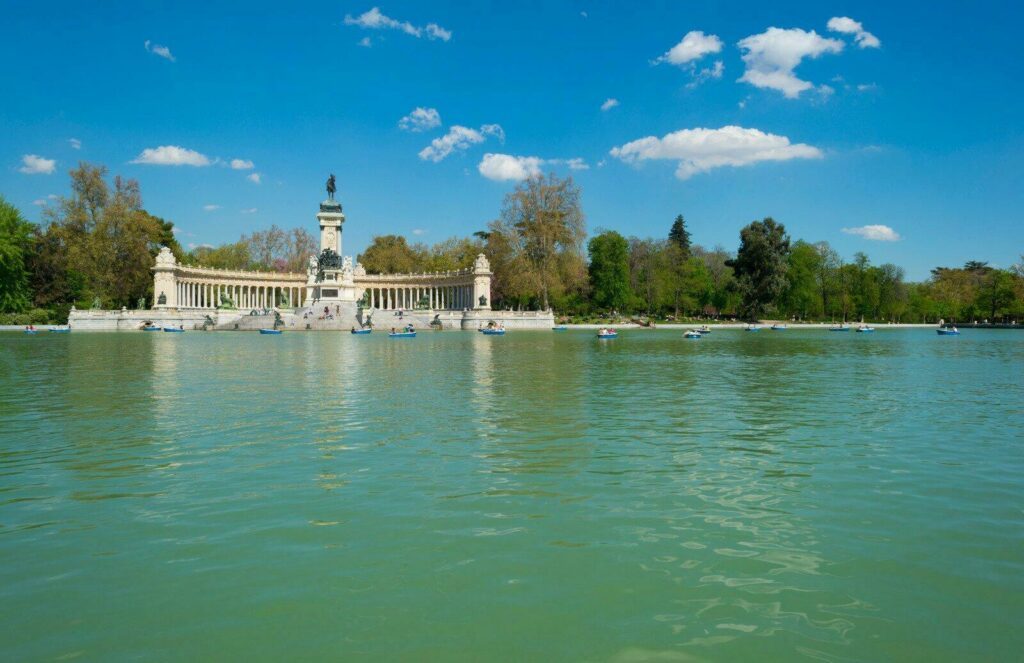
780, 496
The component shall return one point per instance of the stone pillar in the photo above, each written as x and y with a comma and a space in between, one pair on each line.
481, 283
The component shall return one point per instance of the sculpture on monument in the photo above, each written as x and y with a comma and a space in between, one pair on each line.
330, 187
328, 259
226, 301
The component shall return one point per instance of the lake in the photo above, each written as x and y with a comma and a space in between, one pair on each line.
779, 496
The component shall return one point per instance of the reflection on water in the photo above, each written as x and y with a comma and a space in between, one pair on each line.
537, 495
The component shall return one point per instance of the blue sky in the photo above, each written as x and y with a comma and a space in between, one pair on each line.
893, 119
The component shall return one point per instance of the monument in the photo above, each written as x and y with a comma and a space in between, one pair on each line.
330, 280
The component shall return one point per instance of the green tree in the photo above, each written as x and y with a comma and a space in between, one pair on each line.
15, 245
760, 265
996, 293
680, 236
609, 270
802, 295
391, 254
539, 235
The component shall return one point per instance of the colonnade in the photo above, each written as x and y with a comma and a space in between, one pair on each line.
451, 297
207, 294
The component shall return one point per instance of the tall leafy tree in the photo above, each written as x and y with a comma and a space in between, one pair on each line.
680, 236
540, 233
15, 245
609, 270
801, 296
760, 265
391, 254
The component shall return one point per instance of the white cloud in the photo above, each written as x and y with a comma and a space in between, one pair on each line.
365, 42
575, 163
707, 73
494, 130
375, 20
251, 210
33, 164
242, 164
693, 47
772, 56
418, 231
505, 167
459, 138
701, 150
157, 49
609, 104
867, 87
847, 25
435, 31
75, 143
210, 208
171, 155
254, 177
52, 196
420, 119
39, 201
878, 233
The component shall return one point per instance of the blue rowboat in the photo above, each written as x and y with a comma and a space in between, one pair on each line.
493, 332
778, 327
607, 334
840, 328
405, 334
31, 331
173, 330
560, 328
60, 330
752, 329
361, 331
948, 332
151, 328
693, 333
270, 331
864, 329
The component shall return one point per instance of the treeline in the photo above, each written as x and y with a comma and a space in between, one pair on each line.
95, 249
96, 246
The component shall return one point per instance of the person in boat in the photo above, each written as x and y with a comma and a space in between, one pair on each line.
393, 330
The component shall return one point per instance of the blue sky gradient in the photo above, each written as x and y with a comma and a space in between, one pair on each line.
922, 134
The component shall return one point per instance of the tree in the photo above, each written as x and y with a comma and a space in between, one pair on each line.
680, 236
802, 293
542, 229
104, 239
609, 270
391, 254
827, 277
996, 293
760, 265
15, 245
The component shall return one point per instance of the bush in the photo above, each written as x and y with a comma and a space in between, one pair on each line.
39, 316
21, 319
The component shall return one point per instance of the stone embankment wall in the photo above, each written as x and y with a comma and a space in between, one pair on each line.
304, 319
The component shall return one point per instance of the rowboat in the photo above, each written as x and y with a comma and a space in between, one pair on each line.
366, 330
949, 331
560, 328
151, 328
693, 333
704, 330
31, 331
60, 330
752, 328
405, 334
778, 327
173, 330
493, 332
607, 333
270, 331
865, 329
839, 328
